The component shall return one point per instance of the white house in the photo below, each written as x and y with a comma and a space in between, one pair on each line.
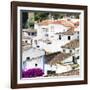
68, 35
65, 60
48, 28
54, 63
50, 37
29, 32
51, 34
73, 48
27, 40
33, 58
61, 38
57, 69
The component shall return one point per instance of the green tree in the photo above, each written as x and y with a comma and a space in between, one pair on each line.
39, 16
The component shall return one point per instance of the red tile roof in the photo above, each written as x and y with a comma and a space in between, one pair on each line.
62, 22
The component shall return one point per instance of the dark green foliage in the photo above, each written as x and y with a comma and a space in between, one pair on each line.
39, 16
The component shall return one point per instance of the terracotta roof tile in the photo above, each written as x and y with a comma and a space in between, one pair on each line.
63, 22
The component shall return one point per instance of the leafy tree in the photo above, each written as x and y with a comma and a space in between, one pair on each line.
39, 16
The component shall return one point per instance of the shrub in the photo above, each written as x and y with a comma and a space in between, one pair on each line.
34, 72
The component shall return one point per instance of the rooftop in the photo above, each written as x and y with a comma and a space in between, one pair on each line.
26, 37
29, 30
68, 32
60, 21
33, 52
56, 57
72, 44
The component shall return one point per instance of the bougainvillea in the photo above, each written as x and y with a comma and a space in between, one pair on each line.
34, 72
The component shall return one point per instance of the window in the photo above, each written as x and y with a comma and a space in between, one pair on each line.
69, 38
68, 19
70, 51
36, 65
77, 57
59, 37
29, 33
74, 60
63, 50
77, 37
33, 33
27, 58
45, 29
76, 24
38, 46
35, 41
78, 32
46, 35
26, 41
49, 43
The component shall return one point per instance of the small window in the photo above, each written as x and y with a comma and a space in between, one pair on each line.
74, 60
77, 37
69, 38
33, 33
38, 46
68, 19
46, 35
36, 65
45, 29
35, 41
70, 51
59, 37
77, 57
26, 41
27, 58
29, 33
78, 50
49, 43
78, 32
63, 50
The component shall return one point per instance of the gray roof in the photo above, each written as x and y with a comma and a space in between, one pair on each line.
72, 44
29, 30
68, 32
56, 57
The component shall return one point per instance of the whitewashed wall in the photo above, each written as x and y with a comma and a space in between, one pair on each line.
28, 40
25, 34
31, 63
58, 68
68, 50
68, 60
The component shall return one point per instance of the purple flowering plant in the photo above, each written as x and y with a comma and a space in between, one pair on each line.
34, 72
